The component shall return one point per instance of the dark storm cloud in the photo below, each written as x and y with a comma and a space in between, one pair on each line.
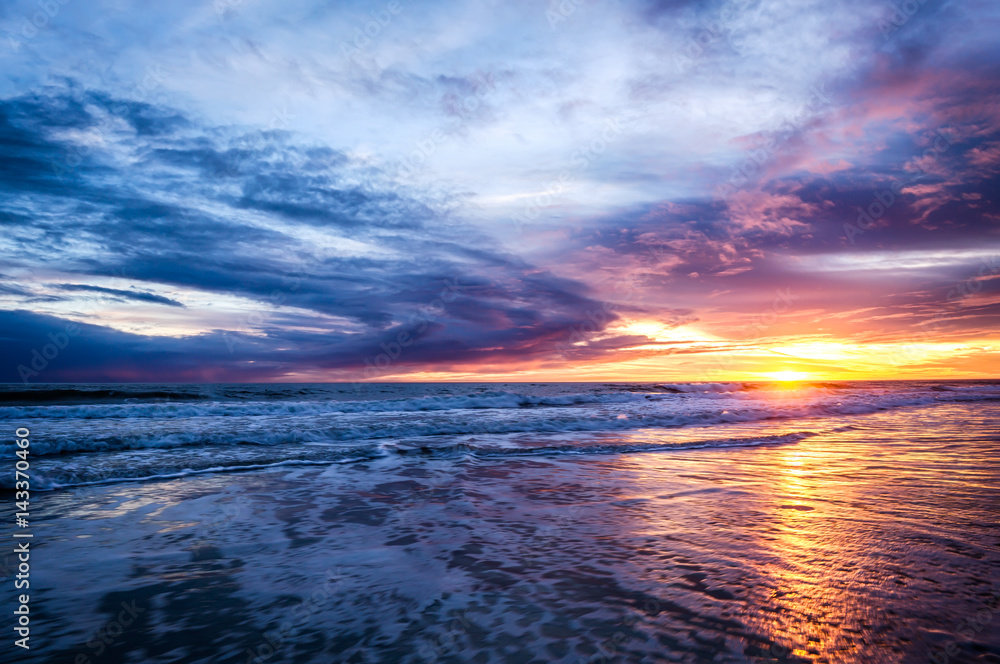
42, 349
164, 220
450, 330
138, 296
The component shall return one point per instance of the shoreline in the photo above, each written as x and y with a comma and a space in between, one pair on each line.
863, 539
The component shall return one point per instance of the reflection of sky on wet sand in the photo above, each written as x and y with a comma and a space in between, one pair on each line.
869, 543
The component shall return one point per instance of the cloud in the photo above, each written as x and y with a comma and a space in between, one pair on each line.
139, 296
249, 170
306, 232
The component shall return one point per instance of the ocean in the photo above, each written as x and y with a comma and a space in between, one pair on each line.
517, 522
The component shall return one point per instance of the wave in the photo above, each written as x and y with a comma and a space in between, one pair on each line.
371, 429
728, 388
460, 449
494, 400
964, 389
700, 388
58, 478
90, 395
488, 400
43, 483
339, 427
129, 402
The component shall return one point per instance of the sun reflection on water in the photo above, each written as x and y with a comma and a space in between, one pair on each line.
808, 546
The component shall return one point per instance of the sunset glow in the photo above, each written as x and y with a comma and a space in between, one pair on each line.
599, 196
788, 376
501, 331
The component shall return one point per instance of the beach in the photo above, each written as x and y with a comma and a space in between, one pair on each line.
823, 523
566, 332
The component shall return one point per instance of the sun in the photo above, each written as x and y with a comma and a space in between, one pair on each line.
788, 376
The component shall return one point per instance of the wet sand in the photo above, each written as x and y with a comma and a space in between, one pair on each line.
879, 542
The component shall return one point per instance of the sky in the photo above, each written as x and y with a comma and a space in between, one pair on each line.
498, 190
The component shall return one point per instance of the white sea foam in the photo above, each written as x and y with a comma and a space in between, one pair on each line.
256, 428
489, 400
108, 428
65, 476
695, 388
